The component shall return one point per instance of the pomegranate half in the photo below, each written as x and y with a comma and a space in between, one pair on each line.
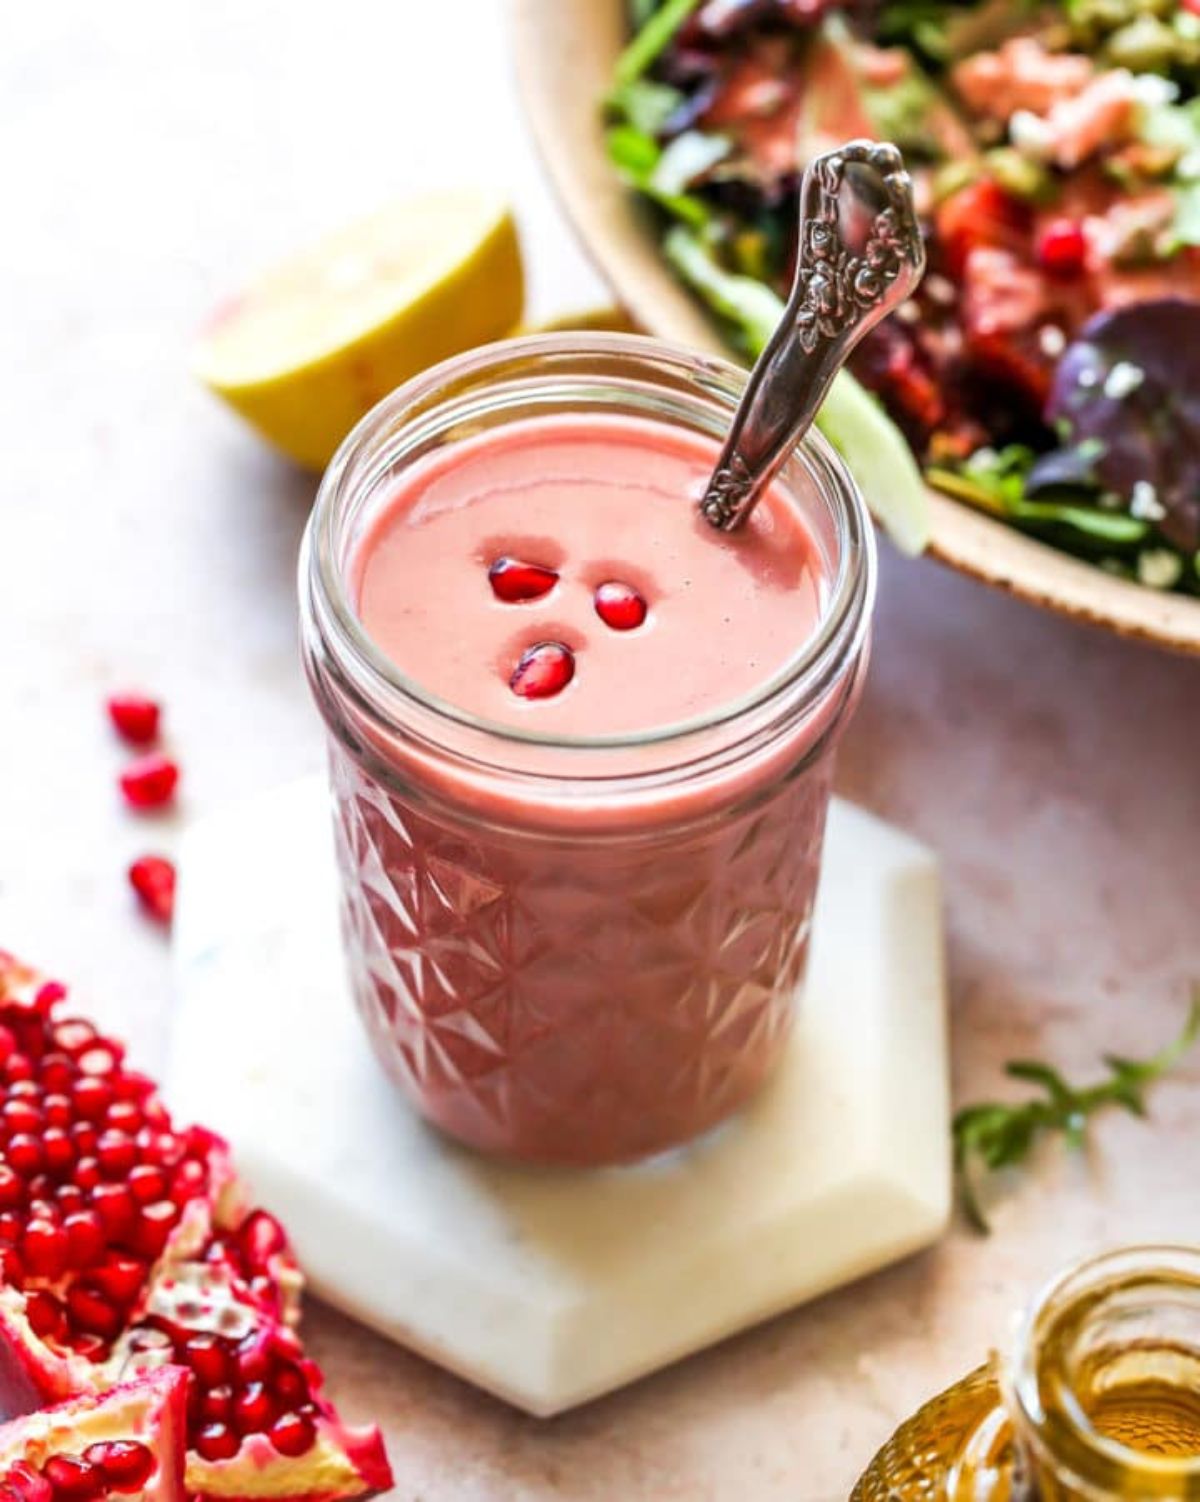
127, 1245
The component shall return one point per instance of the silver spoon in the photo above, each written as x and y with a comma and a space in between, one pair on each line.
861, 254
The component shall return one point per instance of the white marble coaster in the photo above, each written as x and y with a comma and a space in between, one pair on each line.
552, 1287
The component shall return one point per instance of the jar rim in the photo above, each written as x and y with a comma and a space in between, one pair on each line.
845, 613
1062, 1429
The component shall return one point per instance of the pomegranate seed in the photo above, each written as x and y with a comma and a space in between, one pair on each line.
87, 1173
261, 1238
49, 994
152, 877
292, 1434
86, 1240
73, 1034
18, 1066
116, 1153
120, 1278
11, 1226
134, 718
619, 605
153, 1227
92, 1097
12, 1188
58, 1110
12, 1269
288, 1384
543, 671
1062, 248
208, 1358
58, 1149
27, 1483
100, 1058
45, 1315
147, 1183
8, 1043
217, 1442
515, 582
25, 1154
125, 1116
216, 1405
191, 1179
21, 1116
29, 1090
92, 1313
149, 781
126, 1464
114, 1205
71, 1199
253, 1360
44, 1247
58, 1071
253, 1409
73, 1478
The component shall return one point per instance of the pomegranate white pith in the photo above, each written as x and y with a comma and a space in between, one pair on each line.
128, 1442
127, 1245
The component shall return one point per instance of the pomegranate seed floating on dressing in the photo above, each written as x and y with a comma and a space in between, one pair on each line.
543, 671
152, 877
150, 781
134, 718
1062, 248
516, 582
619, 605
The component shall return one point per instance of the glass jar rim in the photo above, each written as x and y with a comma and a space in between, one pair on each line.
1064, 1432
845, 613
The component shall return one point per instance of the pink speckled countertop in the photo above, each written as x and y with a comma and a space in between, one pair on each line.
153, 156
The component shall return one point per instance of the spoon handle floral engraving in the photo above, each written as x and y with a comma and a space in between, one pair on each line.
861, 254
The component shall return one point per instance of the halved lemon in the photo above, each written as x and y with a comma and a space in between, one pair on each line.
316, 342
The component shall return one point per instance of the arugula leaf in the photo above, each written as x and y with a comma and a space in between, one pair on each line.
653, 38
996, 1135
644, 103
637, 156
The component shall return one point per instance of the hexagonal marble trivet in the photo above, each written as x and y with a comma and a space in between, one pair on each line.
552, 1287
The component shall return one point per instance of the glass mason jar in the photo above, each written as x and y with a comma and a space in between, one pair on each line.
1099, 1401
576, 949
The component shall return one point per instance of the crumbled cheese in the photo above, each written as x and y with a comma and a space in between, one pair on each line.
1122, 379
1145, 504
1052, 340
940, 289
1159, 568
1031, 135
1153, 91
907, 312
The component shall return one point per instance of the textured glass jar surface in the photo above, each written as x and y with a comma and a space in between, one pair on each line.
604, 964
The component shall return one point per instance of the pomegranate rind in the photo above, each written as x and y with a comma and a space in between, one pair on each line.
344, 1462
151, 1409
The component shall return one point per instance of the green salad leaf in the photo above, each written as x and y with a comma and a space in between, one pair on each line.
854, 422
645, 104
652, 39
637, 157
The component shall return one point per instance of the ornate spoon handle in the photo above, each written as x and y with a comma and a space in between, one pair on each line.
861, 254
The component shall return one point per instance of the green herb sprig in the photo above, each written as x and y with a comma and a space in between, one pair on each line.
993, 1135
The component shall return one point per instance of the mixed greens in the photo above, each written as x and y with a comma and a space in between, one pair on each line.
1048, 370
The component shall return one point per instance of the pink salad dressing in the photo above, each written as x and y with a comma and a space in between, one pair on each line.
581, 971
596, 501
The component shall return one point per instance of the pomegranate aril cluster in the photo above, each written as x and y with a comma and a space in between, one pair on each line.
547, 667
93, 1179
107, 1467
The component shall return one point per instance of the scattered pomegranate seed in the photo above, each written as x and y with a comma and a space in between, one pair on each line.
619, 605
515, 582
1062, 248
217, 1442
543, 671
152, 877
127, 1464
134, 717
149, 781
292, 1434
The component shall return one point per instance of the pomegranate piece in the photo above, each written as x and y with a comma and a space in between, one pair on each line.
152, 877
142, 1255
1062, 248
516, 582
135, 718
619, 605
543, 671
128, 1440
149, 781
